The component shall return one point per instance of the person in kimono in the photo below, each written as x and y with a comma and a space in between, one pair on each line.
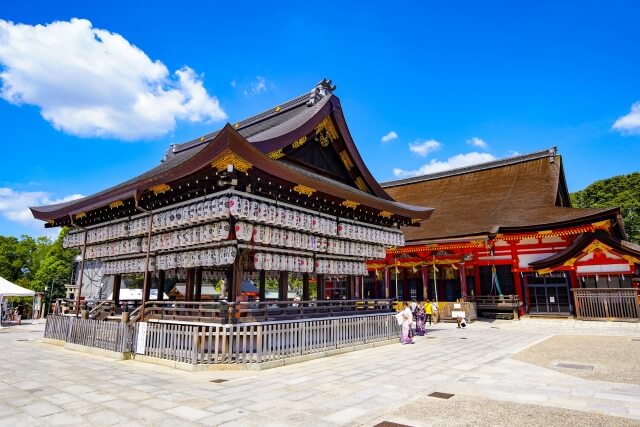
420, 320
407, 319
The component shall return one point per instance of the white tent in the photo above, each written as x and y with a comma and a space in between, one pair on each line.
8, 289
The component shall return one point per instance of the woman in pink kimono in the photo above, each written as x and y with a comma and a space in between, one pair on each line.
407, 319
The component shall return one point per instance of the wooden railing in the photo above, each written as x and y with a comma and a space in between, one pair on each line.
607, 304
102, 310
111, 336
243, 312
250, 343
495, 305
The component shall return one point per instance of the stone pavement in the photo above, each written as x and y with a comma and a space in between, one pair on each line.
41, 384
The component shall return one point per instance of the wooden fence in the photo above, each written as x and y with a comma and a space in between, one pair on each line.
112, 336
607, 304
251, 343
445, 309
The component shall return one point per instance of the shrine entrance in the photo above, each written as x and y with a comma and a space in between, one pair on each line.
548, 294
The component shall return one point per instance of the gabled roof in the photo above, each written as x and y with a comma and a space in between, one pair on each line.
586, 243
254, 140
526, 192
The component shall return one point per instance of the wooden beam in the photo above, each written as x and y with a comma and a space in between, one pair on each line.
320, 286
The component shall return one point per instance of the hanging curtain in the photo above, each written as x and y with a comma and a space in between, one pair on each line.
495, 283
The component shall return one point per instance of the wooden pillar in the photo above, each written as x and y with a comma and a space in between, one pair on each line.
262, 285
387, 283
425, 281
235, 285
462, 274
406, 291
161, 278
146, 290
283, 286
358, 290
305, 287
198, 290
320, 286
518, 285
476, 280
349, 290
117, 281
190, 279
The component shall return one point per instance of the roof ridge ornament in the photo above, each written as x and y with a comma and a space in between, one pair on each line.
323, 88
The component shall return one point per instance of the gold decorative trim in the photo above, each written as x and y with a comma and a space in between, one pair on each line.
350, 204
361, 185
160, 189
51, 221
330, 135
236, 126
602, 225
385, 214
116, 204
570, 262
276, 154
303, 189
631, 259
81, 215
228, 157
346, 160
201, 138
299, 142
596, 245
278, 109
415, 220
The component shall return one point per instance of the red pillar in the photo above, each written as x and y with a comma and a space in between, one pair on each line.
518, 284
476, 280
462, 274
425, 281
387, 283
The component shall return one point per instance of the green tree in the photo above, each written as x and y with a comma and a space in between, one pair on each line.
54, 268
622, 191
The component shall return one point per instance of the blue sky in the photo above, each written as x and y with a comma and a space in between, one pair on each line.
88, 103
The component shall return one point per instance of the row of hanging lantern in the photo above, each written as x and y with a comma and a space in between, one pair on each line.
281, 262
340, 267
242, 208
208, 233
122, 247
124, 266
203, 258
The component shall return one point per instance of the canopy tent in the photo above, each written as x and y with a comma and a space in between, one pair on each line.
8, 289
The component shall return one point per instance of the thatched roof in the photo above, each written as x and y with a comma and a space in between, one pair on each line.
526, 192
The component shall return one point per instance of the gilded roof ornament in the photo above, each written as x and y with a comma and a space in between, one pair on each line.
276, 154
228, 157
299, 142
160, 189
346, 160
116, 204
350, 204
385, 214
303, 189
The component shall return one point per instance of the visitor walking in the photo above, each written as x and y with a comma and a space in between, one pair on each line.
407, 318
428, 311
420, 318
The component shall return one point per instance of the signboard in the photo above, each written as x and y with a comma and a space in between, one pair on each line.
552, 299
141, 342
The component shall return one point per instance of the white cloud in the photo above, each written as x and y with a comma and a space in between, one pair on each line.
389, 137
477, 142
90, 82
435, 165
630, 123
256, 87
423, 148
14, 206
233, 83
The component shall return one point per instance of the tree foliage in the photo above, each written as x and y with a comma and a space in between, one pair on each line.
36, 263
622, 191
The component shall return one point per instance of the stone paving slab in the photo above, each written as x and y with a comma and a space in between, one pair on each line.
42, 384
